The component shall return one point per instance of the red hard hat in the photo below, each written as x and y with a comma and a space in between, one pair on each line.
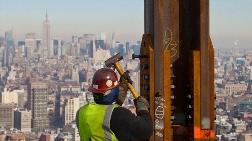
104, 79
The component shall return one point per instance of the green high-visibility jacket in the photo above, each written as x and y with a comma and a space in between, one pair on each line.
93, 122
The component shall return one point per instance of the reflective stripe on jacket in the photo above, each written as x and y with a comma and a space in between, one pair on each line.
94, 122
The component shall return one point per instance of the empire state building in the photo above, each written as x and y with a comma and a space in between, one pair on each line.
47, 49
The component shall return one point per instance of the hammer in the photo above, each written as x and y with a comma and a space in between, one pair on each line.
114, 61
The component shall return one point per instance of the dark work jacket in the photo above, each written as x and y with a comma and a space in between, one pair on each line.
128, 127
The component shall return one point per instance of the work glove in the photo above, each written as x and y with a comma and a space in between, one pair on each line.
126, 77
123, 88
141, 104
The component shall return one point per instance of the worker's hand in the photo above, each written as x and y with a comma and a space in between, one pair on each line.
123, 88
126, 77
141, 104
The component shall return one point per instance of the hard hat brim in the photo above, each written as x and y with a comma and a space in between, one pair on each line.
94, 90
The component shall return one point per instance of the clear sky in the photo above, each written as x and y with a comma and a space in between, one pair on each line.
230, 20
231, 23
74, 17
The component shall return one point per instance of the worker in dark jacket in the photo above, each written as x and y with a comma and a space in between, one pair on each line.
105, 120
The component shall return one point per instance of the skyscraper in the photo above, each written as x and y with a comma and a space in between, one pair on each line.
113, 41
75, 73
56, 46
9, 38
37, 100
7, 115
30, 44
47, 51
22, 120
75, 46
89, 42
71, 107
2, 56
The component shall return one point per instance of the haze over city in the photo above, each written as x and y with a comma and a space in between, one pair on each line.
68, 18
125, 18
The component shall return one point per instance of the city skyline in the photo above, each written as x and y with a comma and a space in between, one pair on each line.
126, 18
82, 17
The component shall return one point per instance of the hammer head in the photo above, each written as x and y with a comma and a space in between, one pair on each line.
112, 60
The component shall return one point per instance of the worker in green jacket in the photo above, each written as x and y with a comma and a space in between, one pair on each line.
105, 120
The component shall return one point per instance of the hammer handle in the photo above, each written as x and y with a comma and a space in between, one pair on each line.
119, 68
132, 90
121, 72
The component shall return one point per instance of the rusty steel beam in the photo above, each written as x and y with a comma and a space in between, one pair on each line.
168, 136
147, 73
205, 62
149, 17
182, 27
158, 58
212, 90
196, 91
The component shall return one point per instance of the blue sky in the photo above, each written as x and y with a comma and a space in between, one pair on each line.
230, 20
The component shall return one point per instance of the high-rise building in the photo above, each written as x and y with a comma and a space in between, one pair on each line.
47, 49
59, 48
9, 38
102, 36
75, 46
37, 103
2, 54
30, 44
76, 133
8, 96
56, 46
127, 44
75, 73
21, 43
113, 41
2, 41
82, 46
22, 120
121, 49
74, 39
102, 39
7, 115
100, 44
21, 49
89, 43
9, 47
250, 72
71, 107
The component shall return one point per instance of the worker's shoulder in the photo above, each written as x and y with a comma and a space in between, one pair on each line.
94, 105
121, 111
85, 106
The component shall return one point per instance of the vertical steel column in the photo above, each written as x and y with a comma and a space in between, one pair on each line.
147, 73
158, 58
204, 57
168, 133
149, 17
196, 91
212, 90
182, 27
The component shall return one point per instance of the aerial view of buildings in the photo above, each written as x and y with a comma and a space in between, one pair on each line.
44, 82
233, 75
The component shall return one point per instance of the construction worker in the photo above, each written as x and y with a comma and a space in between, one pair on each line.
105, 120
